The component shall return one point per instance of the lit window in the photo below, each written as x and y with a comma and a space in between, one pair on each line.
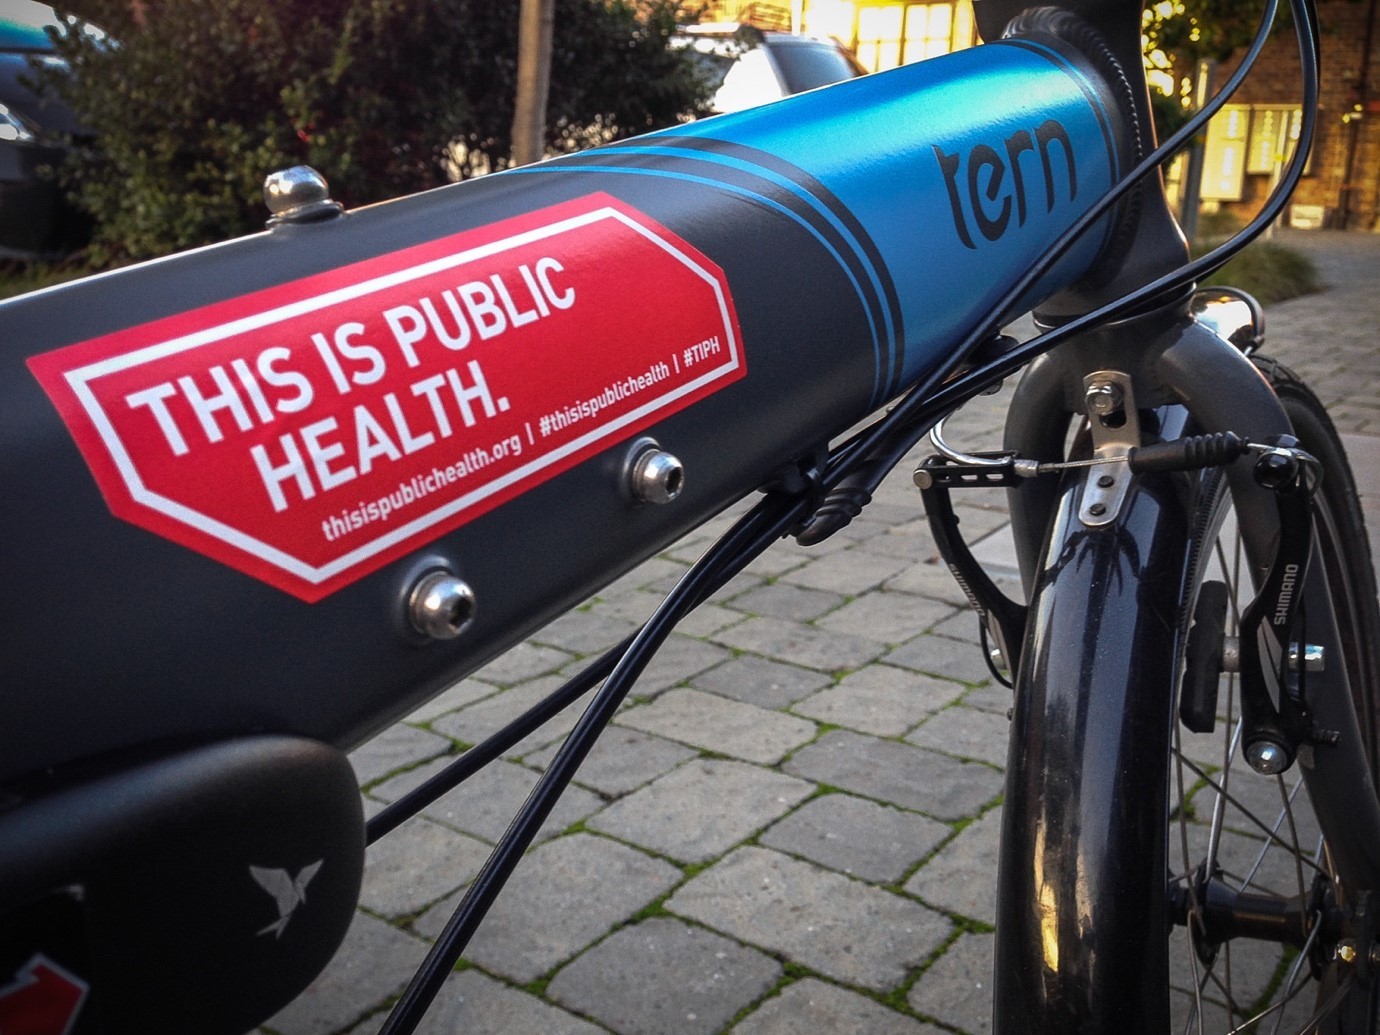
880, 32
890, 34
928, 31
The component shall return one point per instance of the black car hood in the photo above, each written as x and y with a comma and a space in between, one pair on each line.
22, 90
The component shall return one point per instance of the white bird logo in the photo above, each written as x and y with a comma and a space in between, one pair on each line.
288, 892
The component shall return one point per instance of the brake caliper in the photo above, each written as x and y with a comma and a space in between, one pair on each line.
1274, 665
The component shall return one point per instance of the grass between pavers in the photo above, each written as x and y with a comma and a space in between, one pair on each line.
895, 999
823, 790
790, 974
898, 998
957, 826
459, 747
656, 908
1201, 781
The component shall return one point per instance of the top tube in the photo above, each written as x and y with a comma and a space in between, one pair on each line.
305, 426
943, 180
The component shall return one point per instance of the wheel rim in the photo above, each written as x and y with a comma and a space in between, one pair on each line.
1250, 841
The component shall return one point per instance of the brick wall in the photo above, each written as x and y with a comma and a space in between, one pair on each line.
1275, 80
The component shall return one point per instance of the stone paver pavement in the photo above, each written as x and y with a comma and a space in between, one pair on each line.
792, 825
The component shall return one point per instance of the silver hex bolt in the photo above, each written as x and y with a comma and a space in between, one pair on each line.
1267, 757
441, 605
654, 475
1104, 398
298, 195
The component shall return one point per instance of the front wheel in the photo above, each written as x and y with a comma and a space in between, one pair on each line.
1150, 881
1267, 875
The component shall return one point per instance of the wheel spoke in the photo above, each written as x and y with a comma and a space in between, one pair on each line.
1255, 821
1236, 894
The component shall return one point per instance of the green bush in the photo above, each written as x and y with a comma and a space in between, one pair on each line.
1216, 227
1271, 272
200, 99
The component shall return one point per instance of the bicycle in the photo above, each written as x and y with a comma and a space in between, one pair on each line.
257, 407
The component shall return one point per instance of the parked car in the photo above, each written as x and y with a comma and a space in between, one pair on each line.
35, 219
746, 66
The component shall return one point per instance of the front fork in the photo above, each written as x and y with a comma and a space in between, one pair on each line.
1272, 666
1082, 881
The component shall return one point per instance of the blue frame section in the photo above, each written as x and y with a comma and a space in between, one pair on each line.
933, 186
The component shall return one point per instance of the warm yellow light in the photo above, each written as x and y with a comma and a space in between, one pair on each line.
1161, 81
829, 18
1049, 928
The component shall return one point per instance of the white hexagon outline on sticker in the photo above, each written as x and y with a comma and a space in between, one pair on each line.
79, 380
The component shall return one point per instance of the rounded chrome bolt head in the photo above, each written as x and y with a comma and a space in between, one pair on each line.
1277, 469
1103, 397
656, 476
1267, 757
441, 606
289, 189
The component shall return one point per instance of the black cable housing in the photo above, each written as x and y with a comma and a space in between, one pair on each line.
884, 443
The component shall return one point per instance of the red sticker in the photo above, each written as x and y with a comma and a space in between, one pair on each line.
43, 999
312, 432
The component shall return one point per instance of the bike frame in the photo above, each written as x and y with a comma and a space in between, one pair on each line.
831, 309
826, 285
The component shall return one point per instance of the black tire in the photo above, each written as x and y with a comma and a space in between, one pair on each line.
1280, 837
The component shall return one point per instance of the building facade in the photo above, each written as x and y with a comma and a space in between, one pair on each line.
1342, 185
1248, 142
881, 33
